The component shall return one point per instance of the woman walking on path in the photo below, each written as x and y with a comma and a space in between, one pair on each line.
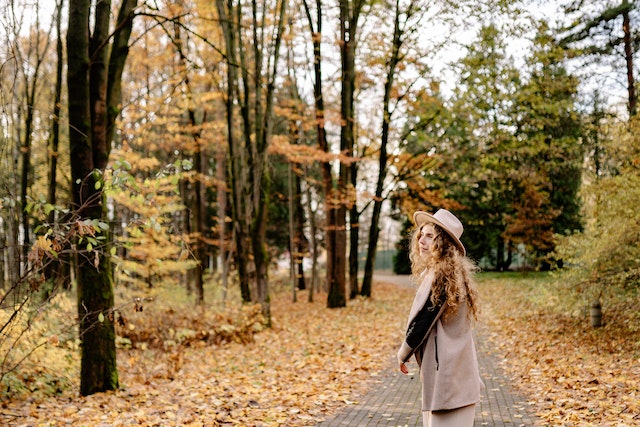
439, 331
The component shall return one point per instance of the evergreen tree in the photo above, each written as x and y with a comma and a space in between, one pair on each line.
547, 164
401, 263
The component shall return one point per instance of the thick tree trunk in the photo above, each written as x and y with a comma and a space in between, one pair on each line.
349, 14
94, 88
95, 292
260, 256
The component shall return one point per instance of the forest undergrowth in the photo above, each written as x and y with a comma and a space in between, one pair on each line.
220, 366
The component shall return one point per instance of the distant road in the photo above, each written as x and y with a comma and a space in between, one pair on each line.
397, 279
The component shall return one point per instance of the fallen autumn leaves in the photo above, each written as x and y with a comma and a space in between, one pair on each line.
310, 364
316, 360
572, 374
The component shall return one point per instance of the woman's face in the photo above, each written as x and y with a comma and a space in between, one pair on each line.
426, 239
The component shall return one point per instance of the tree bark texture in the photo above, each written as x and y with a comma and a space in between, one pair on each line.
95, 292
89, 81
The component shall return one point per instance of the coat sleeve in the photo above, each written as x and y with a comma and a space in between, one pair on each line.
419, 328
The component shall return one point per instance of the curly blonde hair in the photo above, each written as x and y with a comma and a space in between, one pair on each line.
454, 282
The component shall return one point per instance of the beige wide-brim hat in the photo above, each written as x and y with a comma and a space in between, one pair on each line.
445, 219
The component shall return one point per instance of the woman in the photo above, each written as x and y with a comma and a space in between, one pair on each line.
439, 332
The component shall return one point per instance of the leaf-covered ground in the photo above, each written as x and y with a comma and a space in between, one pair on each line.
315, 361
572, 374
306, 367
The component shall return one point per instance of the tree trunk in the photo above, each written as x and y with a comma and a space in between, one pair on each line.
11, 227
292, 242
95, 293
349, 15
263, 122
221, 197
38, 50
94, 86
314, 246
26, 168
628, 54
301, 242
335, 279
354, 243
55, 121
354, 232
229, 28
55, 268
198, 208
3, 248
200, 222
374, 229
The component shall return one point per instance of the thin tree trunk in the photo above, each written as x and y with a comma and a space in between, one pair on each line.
301, 242
263, 188
55, 269
374, 229
354, 243
292, 240
55, 121
30, 92
198, 205
221, 194
229, 28
314, 246
24, 181
11, 228
3, 257
628, 54
331, 201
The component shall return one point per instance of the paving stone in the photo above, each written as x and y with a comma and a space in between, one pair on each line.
394, 399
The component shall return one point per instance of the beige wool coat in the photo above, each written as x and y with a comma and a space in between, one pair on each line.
445, 351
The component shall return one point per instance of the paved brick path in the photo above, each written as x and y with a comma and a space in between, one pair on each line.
394, 398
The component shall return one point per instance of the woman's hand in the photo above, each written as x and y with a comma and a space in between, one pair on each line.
403, 368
